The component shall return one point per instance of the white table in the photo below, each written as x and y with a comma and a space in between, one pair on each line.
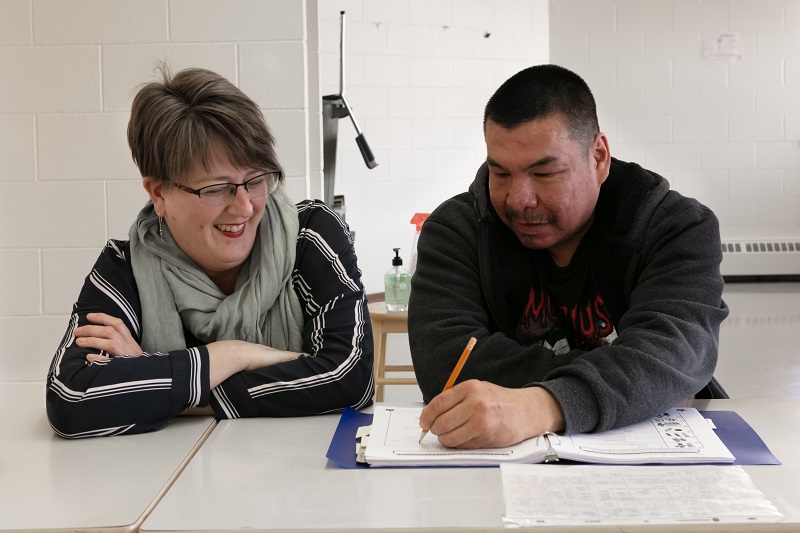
272, 475
99, 484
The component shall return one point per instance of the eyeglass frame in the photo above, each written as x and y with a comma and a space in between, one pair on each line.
277, 174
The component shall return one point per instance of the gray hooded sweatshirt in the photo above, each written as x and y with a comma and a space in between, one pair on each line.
650, 337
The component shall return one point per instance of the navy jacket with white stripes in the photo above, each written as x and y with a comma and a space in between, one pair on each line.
136, 394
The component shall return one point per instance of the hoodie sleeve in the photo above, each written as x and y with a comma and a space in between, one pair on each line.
668, 339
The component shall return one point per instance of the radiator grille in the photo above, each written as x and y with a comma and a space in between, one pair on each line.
745, 259
760, 247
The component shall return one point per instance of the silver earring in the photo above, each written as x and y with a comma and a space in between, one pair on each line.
160, 230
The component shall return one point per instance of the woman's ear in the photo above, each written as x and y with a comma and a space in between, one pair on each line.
155, 188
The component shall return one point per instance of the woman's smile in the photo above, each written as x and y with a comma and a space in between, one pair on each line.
232, 231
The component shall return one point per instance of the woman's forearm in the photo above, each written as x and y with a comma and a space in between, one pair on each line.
226, 358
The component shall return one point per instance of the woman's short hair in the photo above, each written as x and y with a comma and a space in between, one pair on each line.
191, 117
541, 91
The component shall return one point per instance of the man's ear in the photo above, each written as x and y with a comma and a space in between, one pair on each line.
155, 188
601, 157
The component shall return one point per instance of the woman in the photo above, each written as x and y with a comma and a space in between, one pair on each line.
227, 295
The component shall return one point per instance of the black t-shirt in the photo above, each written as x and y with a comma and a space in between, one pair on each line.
564, 309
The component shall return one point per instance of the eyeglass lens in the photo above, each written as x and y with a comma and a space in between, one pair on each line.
224, 193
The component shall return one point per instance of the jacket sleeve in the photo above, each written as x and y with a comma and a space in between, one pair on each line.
337, 333
668, 339
128, 394
448, 306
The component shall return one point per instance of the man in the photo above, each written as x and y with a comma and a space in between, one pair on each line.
593, 290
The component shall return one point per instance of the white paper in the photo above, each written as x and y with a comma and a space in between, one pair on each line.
680, 435
538, 495
722, 47
394, 441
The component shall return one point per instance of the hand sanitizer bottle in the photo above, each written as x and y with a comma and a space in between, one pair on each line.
397, 285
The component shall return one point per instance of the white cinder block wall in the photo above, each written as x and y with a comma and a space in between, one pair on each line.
418, 74
69, 72
727, 134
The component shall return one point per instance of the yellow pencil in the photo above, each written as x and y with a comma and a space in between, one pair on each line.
456, 371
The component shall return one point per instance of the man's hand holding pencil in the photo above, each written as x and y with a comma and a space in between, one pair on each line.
479, 414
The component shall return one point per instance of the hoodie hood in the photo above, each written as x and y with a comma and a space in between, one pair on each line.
479, 188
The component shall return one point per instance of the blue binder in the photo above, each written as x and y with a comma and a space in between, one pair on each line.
737, 435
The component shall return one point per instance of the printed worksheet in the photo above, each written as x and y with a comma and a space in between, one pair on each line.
677, 435
680, 435
536, 495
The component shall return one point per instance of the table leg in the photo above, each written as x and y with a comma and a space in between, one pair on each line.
379, 363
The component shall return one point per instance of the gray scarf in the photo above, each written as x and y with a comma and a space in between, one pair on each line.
175, 293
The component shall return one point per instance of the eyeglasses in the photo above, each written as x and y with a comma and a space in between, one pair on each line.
222, 194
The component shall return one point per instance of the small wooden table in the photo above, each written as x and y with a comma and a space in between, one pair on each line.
384, 322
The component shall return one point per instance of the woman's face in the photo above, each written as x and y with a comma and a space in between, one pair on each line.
217, 239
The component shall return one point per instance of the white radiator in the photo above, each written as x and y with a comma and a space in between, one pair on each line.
761, 258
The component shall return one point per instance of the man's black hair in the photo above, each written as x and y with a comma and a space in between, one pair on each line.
541, 91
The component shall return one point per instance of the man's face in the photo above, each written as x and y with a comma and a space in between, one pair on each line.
543, 184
